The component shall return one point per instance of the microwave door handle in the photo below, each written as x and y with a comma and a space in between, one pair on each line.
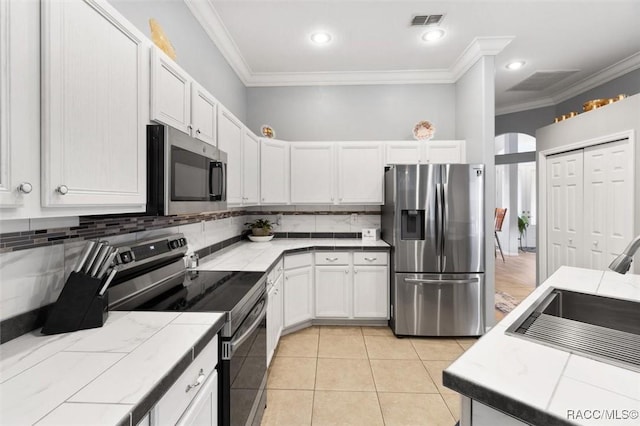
223, 181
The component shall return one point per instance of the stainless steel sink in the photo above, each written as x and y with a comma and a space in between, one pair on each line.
594, 326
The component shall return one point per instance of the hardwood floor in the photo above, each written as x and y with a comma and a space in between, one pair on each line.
516, 276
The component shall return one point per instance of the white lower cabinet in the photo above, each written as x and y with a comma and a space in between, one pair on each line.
274, 317
333, 291
370, 291
193, 398
203, 411
298, 289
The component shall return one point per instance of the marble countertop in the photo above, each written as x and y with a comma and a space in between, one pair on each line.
112, 375
543, 385
259, 257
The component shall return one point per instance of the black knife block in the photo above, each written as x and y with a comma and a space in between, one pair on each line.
78, 307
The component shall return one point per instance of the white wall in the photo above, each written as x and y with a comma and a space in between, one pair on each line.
602, 122
383, 112
475, 122
195, 51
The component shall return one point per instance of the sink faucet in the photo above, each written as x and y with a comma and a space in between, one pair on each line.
622, 263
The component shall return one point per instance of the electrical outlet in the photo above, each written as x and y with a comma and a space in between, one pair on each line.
354, 218
279, 219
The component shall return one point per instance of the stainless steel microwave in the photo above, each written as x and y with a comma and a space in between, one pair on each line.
184, 174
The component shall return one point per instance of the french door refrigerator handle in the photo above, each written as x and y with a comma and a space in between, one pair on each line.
432, 281
445, 217
439, 233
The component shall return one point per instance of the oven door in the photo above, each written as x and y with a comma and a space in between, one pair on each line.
244, 370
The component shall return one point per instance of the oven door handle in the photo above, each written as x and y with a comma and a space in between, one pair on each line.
232, 345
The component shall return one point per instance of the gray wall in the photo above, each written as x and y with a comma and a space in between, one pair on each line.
475, 115
525, 121
382, 112
195, 51
531, 120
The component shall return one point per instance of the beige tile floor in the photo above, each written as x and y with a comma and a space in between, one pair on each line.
327, 375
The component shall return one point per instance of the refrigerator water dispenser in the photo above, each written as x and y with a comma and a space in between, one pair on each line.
412, 225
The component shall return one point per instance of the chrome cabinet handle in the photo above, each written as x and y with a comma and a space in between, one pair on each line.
370, 259
198, 132
189, 126
332, 259
198, 381
25, 187
355, 271
62, 189
263, 199
346, 271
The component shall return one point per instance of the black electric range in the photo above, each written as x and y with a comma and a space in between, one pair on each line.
152, 277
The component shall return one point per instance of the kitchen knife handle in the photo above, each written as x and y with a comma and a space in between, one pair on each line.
84, 255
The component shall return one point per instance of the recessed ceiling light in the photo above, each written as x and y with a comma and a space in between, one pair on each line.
515, 65
433, 35
321, 38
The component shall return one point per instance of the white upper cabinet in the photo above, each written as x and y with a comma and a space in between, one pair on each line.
19, 107
274, 172
250, 168
179, 101
170, 92
312, 173
230, 134
421, 152
203, 114
405, 152
95, 106
441, 152
360, 173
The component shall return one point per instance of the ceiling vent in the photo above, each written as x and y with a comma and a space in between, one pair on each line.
542, 80
422, 20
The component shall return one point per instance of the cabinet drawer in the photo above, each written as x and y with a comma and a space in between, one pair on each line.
170, 408
370, 258
297, 260
332, 258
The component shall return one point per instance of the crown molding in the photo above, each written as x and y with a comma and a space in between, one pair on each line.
525, 106
616, 70
479, 47
350, 78
206, 14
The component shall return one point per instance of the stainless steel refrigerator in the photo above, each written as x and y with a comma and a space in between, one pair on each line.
433, 217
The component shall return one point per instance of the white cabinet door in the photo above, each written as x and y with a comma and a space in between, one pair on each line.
442, 152
312, 173
94, 99
203, 410
565, 210
370, 292
608, 206
274, 317
19, 107
250, 167
230, 131
403, 152
360, 173
333, 291
298, 295
274, 172
203, 114
170, 92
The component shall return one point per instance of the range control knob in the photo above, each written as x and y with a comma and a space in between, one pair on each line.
183, 241
126, 257
174, 244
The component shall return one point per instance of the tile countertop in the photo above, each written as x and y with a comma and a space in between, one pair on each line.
112, 375
259, 257
543, 385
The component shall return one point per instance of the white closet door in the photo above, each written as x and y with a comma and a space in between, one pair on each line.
565, 210
608, 203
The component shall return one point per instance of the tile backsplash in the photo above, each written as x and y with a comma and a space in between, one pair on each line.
35, 263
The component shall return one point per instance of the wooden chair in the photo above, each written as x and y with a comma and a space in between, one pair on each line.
500, 213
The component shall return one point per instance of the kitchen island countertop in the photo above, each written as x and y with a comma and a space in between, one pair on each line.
539, 384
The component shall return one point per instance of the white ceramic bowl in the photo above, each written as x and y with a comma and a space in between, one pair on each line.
262, 239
